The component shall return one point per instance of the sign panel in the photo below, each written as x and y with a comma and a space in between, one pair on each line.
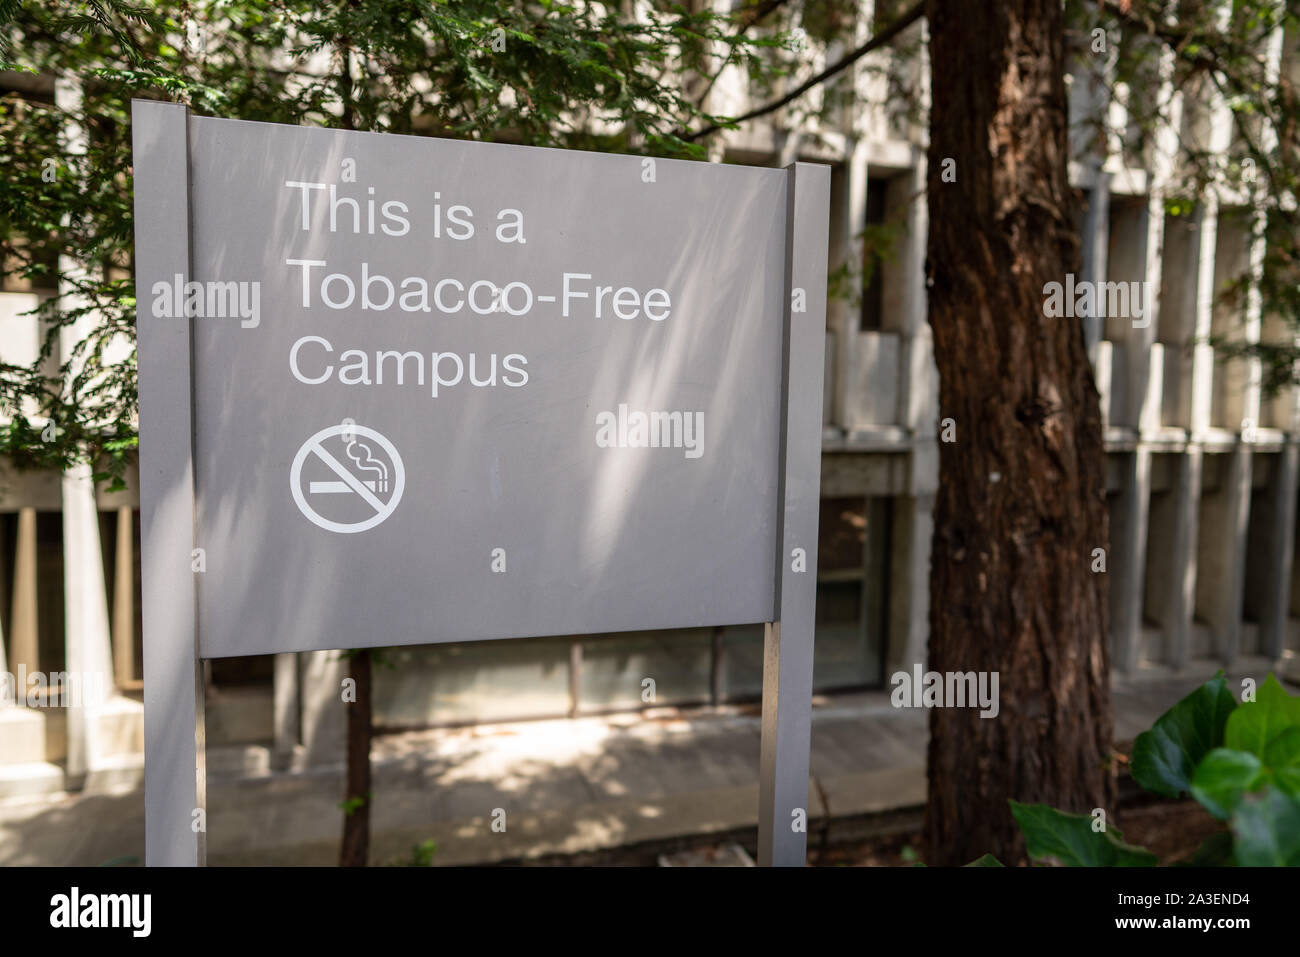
399, 390
449, 391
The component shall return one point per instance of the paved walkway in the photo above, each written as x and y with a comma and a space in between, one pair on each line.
565, 786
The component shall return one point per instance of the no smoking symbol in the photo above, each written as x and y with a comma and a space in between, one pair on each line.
347, 478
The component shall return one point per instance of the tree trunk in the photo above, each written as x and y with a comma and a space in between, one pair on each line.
356, 815
1021, 500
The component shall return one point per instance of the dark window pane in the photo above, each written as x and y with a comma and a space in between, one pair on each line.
873, 292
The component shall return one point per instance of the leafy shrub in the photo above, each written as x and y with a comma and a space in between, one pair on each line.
1241, 762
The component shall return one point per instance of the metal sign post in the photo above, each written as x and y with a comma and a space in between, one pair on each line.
174, 722
579, 392
788, 638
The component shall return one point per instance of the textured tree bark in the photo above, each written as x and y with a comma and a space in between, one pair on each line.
355, 849
1021, 500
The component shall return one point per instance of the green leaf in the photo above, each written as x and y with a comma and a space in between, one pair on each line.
985, 860
1267, 828
1283, 750
1070, 839
1287, 780
1222, 777
1255, 724
422, 854
1165, 758
353, 804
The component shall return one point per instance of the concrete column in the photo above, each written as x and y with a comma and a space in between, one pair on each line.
86, 633
1202, 352
23, 621
1126, 561
909, 583
1281, 551
1096, 245
324, 718
844, 321
913, 522
124, 598
1178, 315
1222, 554
839, 308
1147, 383
285, 702
1181, 595
22, 730
919, 377
89, 650
791, 142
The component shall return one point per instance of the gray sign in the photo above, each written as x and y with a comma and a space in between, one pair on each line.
402, 390
573, 354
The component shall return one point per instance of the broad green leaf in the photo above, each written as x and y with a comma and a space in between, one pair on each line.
1071, 840
1165, 758
1267, 828
1255, 724
1222, 777
1287, 780
985, 860
1283, 750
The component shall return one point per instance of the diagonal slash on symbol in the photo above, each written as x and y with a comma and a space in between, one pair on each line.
353, 482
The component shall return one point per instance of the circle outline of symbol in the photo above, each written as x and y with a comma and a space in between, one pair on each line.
295, 474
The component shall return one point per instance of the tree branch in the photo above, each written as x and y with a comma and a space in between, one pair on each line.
753, 16
913, 14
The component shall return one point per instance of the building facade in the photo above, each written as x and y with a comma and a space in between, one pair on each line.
1202, 467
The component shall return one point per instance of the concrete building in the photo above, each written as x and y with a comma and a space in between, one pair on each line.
1202, 471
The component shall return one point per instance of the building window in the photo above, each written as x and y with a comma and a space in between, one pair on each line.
852, 562
875, 244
